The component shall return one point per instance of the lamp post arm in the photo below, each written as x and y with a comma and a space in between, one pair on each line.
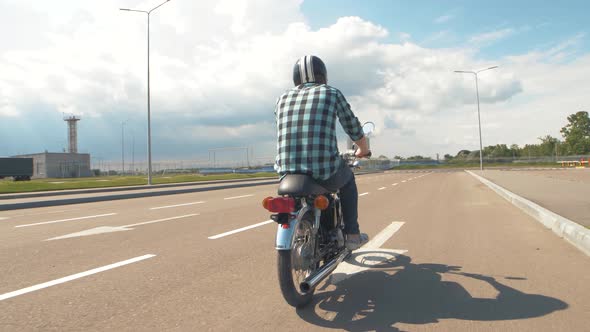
158, 6
133, 10
479, 71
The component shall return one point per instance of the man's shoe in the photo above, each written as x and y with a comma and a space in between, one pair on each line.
355, 241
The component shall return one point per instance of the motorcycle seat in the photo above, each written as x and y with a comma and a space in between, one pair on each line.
300, 185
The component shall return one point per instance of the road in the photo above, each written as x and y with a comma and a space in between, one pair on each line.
456, 257
565, 191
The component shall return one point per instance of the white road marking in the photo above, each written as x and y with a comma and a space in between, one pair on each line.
384, 235
73, 277
177, 205
404, 181
394, 184
363, 194
3, 218
64, 220
215, 237
235, 197
40, 214
111, 229
381, 188
361, 259
160, 220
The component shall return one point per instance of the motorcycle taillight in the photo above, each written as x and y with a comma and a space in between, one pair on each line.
279, 204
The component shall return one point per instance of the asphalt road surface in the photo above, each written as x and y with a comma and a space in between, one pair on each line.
448, 255
565, 192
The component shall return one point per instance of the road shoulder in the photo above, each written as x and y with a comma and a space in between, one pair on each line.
574, 233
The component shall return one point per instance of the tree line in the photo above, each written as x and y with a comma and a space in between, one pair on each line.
576, 141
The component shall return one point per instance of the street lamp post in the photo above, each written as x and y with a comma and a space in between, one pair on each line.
478, 116
123, 147
149, 128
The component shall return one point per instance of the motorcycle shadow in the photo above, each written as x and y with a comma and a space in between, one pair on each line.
402, 292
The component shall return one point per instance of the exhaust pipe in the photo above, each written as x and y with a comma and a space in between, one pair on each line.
313, 280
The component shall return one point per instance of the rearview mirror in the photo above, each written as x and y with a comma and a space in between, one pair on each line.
368, 128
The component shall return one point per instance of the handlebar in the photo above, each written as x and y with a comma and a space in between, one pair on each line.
352, 159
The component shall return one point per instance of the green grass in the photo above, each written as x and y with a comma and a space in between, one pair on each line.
476, 165
9, 186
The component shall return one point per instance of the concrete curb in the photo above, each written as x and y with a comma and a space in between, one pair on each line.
574, 233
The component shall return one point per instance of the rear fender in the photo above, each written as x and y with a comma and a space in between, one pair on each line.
284, 239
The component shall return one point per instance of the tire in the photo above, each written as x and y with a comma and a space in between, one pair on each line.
287, 263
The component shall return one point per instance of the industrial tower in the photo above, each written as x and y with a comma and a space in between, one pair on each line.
72, 121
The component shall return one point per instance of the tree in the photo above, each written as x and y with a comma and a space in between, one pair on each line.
548, 144
463, 154
497, 151
515, 150
577, 133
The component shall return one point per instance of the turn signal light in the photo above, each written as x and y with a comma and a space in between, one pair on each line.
279, 204
265, 202
321, 202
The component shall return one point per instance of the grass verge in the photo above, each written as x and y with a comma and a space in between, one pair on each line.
475, 166
8, 186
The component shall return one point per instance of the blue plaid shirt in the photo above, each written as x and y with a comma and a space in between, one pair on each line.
306, 120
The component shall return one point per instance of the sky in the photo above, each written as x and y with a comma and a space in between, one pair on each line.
217, 68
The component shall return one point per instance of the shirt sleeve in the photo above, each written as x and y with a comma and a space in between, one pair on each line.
350, 123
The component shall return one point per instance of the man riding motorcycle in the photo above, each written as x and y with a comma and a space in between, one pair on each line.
306, 139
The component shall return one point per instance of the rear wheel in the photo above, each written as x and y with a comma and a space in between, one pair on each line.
297, 264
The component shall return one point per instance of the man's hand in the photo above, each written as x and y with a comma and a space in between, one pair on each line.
363, 148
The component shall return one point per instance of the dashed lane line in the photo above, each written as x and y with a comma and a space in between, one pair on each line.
236, 197
72, 277
111, 229
363, 194
177, 205
64, 220
218, 236
36, 214
381, 188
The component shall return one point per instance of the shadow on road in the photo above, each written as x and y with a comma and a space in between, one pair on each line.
403, 292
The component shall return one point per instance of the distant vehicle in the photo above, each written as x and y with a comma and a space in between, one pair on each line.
20, 169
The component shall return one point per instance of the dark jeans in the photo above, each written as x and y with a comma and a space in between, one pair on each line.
344, 180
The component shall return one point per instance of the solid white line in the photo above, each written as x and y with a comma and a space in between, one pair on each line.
381, 188
171, 206
73, 277
372, 249
363, 194
238, 197
384, 235
159, 220
63, 220
215, 237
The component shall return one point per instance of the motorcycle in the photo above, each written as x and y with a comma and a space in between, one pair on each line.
310, 236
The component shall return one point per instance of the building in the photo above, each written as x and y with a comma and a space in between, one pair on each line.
60, 165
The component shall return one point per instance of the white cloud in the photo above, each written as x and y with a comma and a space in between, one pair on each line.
443, 19
492, 36
217, 69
